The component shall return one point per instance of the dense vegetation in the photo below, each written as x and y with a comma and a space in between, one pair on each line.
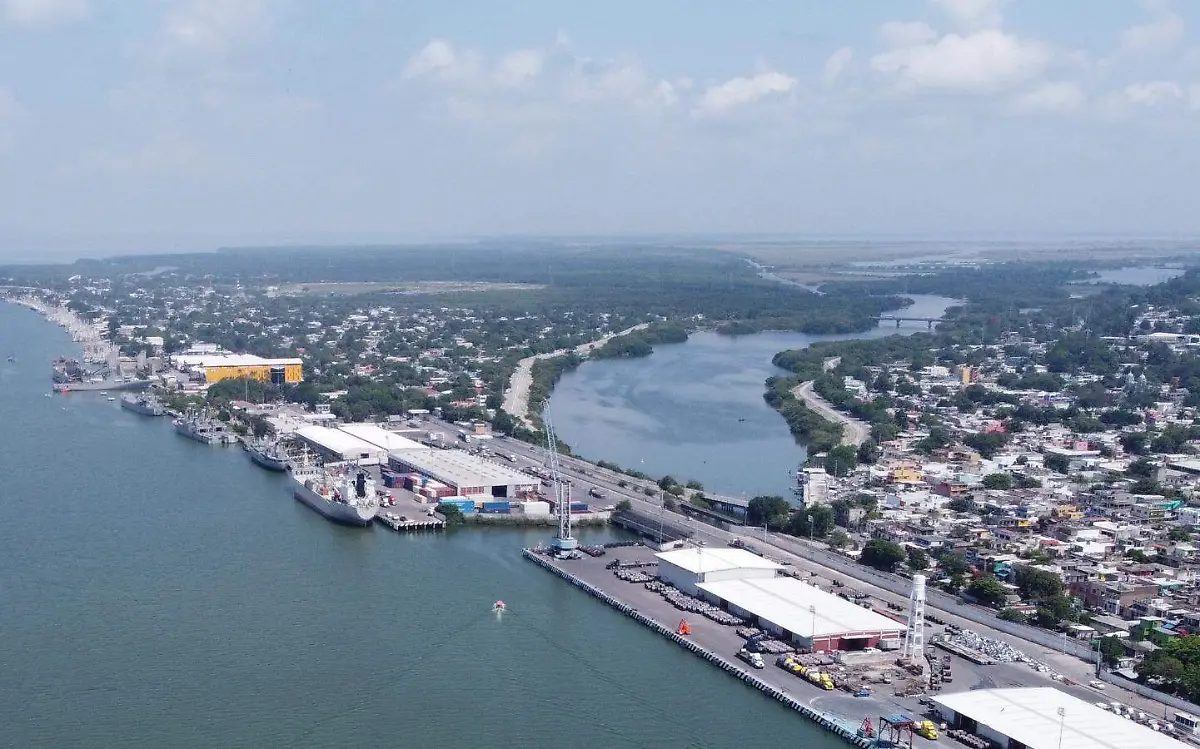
641, 342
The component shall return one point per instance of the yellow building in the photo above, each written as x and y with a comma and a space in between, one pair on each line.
217, 367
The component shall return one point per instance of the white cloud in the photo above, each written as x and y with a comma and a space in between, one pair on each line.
1153, 93
903, 34
1157, 35
738, 92
212, 26
979, 62
973, 15
1058, 97
519, 67
834, 66
43, 12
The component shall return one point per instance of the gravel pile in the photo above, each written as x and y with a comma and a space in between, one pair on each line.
994, 649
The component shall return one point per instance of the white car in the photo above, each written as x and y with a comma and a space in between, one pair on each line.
1094, 684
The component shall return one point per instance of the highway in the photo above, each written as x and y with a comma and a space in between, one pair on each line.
802, 555
855, 432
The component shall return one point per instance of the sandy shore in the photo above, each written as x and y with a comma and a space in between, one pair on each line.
854, 432
516, 396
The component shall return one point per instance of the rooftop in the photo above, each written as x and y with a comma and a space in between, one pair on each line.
1032, 717
800, 608
460, 469
229, 360
698, 561
336, 441
381, 437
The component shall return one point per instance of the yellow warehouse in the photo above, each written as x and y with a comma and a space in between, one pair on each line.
217, 367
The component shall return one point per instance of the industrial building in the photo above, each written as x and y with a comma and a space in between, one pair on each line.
336, 445
215, 367
751, 587
1044, 718
687, 568
470, 476
804, 615
381, 437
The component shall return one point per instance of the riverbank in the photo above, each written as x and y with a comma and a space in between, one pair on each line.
516, 395
854, 432
87, 334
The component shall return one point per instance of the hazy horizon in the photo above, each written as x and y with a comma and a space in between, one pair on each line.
145, 126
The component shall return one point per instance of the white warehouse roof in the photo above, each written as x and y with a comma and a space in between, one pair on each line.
380, 437
699, 561
457, 468
788, 603
229, 360
1031, 717
335, 441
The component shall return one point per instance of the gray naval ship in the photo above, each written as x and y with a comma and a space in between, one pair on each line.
145, 404
345, 496
266, 454
197, 426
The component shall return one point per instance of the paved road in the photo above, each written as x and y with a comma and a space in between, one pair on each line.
795, 552
855, 431
516, 395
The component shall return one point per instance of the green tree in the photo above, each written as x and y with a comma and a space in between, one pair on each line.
986, 444
1056, 463
452, 514
882, 555
997, 481
1038, 585
841, 460
961, 504
868, 452
625, 504
1112, 649
695, 485
1179, 534
838, 540
814, 521
987, 590
1012, 615
917, 558
666, 482
771, 511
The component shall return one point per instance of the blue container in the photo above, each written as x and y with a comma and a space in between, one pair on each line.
579, 507
495, 506
466, 506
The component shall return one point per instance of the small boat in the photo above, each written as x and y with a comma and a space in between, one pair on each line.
111, 399
11, 359
499, 606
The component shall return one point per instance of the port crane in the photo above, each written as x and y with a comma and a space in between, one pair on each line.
563, 542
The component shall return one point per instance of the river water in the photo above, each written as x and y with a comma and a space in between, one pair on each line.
155, 592
695, 409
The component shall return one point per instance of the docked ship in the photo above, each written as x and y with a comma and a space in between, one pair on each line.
144, 404
347, 497
197, 426
266, 454
71, 376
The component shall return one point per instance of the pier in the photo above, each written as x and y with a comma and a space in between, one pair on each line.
394, 521
718, 644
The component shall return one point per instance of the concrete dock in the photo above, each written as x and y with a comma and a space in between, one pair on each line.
837, 711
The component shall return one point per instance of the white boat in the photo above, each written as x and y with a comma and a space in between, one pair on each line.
346, 496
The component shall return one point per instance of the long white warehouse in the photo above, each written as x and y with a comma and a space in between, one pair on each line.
381, 437
469, 475
336, 445
1044, 718
804, 614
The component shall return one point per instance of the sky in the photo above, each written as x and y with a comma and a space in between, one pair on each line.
185, 124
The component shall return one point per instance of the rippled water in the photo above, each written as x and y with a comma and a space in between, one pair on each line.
155, 592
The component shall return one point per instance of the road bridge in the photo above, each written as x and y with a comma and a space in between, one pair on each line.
929, 321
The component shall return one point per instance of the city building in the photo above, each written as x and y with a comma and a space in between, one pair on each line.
468, 475
1044, 718
215, 367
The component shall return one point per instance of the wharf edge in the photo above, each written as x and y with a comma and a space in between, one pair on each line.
748, 678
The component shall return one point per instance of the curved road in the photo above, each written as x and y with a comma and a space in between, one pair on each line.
854, 433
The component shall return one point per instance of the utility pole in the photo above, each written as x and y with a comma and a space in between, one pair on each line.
1062, 717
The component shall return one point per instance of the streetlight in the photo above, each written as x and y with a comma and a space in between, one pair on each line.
1062, 717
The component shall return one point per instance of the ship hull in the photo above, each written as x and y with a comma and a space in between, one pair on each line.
203, 438
114, 385
268, 462
336, 512
145, 409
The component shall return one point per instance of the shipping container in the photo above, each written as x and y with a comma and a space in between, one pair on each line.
535, 508
496, 505
579, 507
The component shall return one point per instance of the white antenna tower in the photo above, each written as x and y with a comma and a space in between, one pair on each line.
914, 641
562, 497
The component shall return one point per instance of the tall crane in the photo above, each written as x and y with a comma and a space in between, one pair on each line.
563, 541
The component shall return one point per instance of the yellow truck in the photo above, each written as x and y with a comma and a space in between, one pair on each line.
928, 729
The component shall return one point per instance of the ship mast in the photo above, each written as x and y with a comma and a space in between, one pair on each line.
563, 541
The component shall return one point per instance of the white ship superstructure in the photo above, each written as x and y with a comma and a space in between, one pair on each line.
345, 495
